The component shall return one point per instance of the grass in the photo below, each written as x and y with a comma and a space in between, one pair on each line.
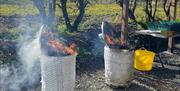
99, 10
10, 10
94, 10
91, 10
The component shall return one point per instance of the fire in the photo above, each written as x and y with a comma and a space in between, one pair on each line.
62, 48
60, 45
122, 42
108, 40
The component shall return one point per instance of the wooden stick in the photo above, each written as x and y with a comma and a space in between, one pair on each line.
170, 41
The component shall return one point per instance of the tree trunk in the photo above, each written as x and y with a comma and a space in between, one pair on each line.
79, 18
149, 9
124, 27
130, 12
52, 9
81, 4
166, 10
134, 7
173, 8
155, 9
46, 19
65, 14
40, 6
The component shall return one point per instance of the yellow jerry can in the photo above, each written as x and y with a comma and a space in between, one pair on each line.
143, 59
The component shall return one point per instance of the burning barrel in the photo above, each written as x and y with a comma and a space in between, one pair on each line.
118, 66
58, 62
58, 73
118, 59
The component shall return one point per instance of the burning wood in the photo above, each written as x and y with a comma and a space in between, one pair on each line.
62, 48
111, 35
54, 46
108, 40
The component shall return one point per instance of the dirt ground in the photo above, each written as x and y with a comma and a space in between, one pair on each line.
90, 77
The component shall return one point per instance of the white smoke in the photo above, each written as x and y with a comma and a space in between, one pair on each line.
29, 51
26, 74
30, 54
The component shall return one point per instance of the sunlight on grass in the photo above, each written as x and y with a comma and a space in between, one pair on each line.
9, 10
91, 10
103, 9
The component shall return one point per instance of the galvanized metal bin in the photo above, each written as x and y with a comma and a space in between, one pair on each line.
118, 66
58, 73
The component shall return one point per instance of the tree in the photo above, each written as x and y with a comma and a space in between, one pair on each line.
81, 4
130, 12
170, 8
149, 9
133, 5
170, 11
124, 26
46, 18
173, 9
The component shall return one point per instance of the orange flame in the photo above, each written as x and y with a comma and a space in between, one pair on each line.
108, 40
61, 47
122, 42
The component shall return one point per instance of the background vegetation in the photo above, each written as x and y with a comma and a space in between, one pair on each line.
96, 9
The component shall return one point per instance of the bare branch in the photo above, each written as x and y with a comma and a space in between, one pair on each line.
149, 9
155, 9
166, 10
65, 14
134, 7
40, 6
81, 4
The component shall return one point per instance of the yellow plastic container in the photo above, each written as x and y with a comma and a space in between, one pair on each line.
143, 60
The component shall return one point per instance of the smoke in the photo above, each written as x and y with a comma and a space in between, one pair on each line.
29, 54
26, 73
98, 48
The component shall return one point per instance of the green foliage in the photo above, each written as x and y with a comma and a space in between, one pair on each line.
7, 59
9, 35
83, 52
92, 22
178, 19
62, 30
23, 10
